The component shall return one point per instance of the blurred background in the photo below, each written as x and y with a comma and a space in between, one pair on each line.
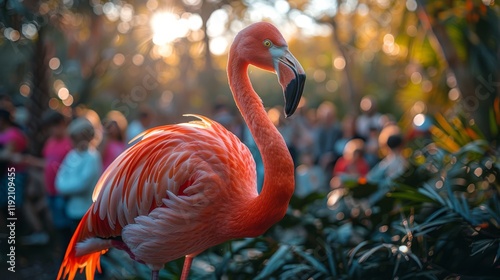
417, 82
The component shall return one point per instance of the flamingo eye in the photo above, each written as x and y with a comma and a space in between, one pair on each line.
267, 43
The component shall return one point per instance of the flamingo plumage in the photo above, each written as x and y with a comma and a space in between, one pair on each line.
187, 187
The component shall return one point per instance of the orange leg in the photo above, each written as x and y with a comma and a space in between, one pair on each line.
186, 267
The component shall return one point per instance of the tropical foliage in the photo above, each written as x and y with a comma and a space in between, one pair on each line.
440, 220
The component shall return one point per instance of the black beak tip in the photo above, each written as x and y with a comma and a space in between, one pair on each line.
293, 93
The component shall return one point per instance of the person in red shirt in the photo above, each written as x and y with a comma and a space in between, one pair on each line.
352, 161
351, 164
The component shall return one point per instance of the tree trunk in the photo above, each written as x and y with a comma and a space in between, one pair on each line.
40, 96
352, 101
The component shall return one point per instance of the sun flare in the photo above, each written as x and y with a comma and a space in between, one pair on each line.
167, 27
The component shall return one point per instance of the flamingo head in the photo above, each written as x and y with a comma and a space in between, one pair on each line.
262, 45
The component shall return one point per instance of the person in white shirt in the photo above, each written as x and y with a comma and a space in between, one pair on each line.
391, 166
144, 121
79, 170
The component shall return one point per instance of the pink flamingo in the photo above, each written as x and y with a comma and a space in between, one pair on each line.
187, 187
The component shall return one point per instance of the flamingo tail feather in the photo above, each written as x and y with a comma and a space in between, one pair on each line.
73, 262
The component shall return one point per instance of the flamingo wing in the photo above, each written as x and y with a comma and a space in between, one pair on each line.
190, 160
164, 194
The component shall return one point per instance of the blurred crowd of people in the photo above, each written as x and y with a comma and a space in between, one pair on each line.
54, 189
328, 151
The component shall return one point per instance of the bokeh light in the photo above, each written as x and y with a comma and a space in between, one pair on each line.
339, 62
68, 101
138, 59
58, 84
332, 85
54, 63
411, 5
454, 94
427, 86
403, 249
25, 90
411, 30
319, 75
416, 77
419, 107
218, 45
334, 197
419, 120
118, 59
63, 93
167, 27
53, 103
29, 30
366, 104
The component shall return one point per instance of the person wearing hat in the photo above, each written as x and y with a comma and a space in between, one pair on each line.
79, 170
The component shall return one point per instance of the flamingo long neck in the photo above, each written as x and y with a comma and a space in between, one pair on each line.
271, 205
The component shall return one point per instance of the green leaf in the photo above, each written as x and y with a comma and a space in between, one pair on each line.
438, 222
427, 274
370, 252
434, 215
274, 263
234, 247
355, 250
317, 264
415, 197
292, 270
475, 147
466, 210
331, 259
395, 271
497, 257
415, 258
493, 123
494, 214
481, 245
429, 191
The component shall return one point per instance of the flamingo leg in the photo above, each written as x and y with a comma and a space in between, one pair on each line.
186, 267
155, 275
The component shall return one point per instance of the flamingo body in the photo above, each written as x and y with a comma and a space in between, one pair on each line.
187, 187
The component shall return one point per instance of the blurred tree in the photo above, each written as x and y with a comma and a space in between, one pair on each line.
23, 38
467, 36
427, 55
422, 55
104, 54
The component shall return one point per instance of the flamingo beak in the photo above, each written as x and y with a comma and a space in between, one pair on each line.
292, 78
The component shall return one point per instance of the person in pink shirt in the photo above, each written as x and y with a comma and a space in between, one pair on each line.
12, 138
112, 145
12, 143
55, 149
